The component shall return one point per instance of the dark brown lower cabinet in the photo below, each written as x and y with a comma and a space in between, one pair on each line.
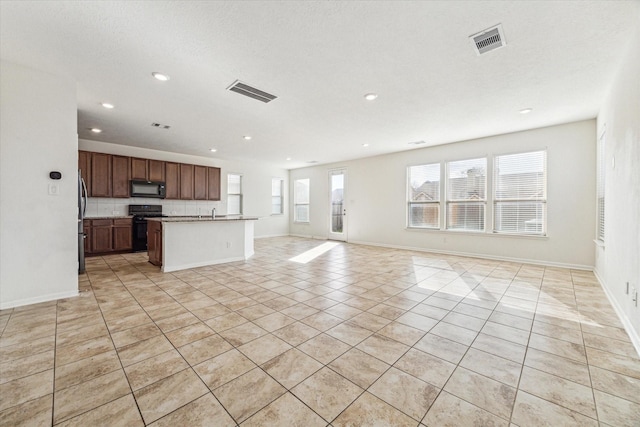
108, 235
86, 228
154, 242
101, 240
122, 234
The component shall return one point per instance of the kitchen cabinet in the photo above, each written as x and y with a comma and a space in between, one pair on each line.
186, 181
156, 170
122, 234
84, 166
101, 238
154, 242
200, 182
86, 229
172, 180
213, 183
120, 167
140, 169
100, 170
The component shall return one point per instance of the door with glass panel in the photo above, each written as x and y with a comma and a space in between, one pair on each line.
337, 207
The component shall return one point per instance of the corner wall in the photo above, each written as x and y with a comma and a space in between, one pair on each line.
38, 134
376, 202
618, 262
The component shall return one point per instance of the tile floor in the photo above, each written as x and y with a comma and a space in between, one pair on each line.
357, 336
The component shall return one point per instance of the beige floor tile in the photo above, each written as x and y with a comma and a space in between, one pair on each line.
465, 321
359, 367
226, 321
530, 410
616, 384
291, 367
274, 321
210, 311
84, 349
299, 311
499, 347
510, 320
565, 393
242, 334
321, 321
255, 311
417, 321
426, 367
441, 347
561, 348
494, 367
296, 333
629, 366
505, 332
162, 397
402, 333
189, 334
221, 369
154, 369
141, 350
25, 366
324, 348
369, 410
35, 412
285, 411
264, 348
488, 394
327, 393
169, 324
386, 311
623, 348
122, 411
206, 348
348, 333
88, 395
369, 321
405, 392
616, 411
86, 369
19, 351
558, 332
74, 336
383, 348
261, 387
343, 311
133, 335
450, 411
202, 412
455, 333
566, 368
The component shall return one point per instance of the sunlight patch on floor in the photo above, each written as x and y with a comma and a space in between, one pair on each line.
312, 254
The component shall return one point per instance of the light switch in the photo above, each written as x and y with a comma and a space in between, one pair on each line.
54, 189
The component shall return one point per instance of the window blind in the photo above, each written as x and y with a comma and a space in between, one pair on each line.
424, 196
466, 184
520, 193
276, 196
301, 200
234, 194
601, 188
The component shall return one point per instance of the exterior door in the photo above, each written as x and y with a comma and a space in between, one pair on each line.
337, 206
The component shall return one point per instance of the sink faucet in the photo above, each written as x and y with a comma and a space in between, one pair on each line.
213, 213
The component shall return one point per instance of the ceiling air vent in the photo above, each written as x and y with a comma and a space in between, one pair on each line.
251, 92
488, 40
160, 126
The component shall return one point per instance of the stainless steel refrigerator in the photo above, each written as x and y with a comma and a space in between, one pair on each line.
82, 210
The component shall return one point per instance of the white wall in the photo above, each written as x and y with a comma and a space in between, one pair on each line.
376, 198
38, 134
256, 188
619, 261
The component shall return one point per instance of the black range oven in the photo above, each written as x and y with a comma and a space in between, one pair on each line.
140, 214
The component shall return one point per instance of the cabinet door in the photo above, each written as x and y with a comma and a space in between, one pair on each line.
101, 240
213, 183
84, 165
172, 179
186, 181
156, 170
100, 175
200, 182
154, 242
122, 234
86, 228
120, 176
139, 169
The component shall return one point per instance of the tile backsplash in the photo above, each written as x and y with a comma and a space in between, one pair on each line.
98, 207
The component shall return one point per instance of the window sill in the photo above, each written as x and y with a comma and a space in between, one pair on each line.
478, 233
301, 222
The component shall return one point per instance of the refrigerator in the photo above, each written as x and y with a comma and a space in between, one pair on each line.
82, 210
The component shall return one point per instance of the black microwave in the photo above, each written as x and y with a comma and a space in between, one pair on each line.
148, 189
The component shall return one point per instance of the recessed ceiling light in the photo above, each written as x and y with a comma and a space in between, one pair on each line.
107, 105
160, 76
526, 110
213, 150
370, 96
288, 158
96, 130
365, 145
246, 137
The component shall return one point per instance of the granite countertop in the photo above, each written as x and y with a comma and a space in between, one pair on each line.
110, 217
205, 218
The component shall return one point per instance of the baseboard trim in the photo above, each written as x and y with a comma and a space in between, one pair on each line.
38, 299
272, 235
204, 263
626, 322
309, 236
474, 255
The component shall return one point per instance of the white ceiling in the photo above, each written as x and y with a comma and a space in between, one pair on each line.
319, 58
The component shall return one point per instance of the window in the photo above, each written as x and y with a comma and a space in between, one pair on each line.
466, 194
276, 196
424, 196
301, 200
600, 189
520, 193
234, 194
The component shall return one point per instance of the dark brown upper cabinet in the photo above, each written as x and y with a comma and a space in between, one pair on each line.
139, 169
200, 182
186, 181
156, 170
172, 180
213, 183
84, 166
100, 175
120, 181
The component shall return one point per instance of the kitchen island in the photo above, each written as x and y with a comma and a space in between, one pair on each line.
179, 243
